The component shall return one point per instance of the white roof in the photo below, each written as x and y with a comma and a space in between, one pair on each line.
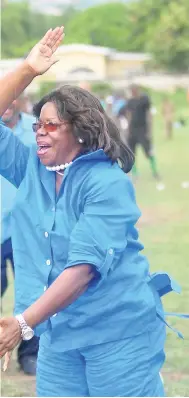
84, 48
9, 64
130, 56
110, 52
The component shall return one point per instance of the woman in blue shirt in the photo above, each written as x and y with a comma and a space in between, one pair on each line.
81, 281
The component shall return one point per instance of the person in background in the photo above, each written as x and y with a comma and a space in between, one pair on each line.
25, 104
82, 282
168, 112
118, 114
139, 116
102, 101
109, 99
21, 125
119, 104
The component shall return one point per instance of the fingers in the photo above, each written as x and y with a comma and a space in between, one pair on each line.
8, 345
3, 352
2, 321
7, 348
51, 36
7, 360
57, 43
54, 36
46, 37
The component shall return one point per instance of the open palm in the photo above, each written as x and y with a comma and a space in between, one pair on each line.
42, 55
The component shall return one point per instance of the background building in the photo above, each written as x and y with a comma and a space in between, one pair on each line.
85, 62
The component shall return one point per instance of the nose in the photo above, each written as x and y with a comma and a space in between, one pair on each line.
41, 131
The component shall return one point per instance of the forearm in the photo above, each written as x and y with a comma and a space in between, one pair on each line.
13, 84
64, 291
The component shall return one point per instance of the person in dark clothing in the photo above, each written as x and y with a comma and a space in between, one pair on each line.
138, 113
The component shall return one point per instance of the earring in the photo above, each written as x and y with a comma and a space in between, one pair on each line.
80, 140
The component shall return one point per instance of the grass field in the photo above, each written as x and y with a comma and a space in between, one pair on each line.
164, 229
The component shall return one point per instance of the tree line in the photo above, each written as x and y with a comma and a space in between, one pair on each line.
159, 27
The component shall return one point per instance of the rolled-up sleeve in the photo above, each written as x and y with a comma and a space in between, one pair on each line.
100, 234
13, 156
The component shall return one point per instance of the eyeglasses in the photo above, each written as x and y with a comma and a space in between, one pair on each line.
49, 127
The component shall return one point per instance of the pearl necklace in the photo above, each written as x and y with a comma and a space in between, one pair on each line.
58, 168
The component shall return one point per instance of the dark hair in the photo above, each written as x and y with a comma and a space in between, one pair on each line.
89, 121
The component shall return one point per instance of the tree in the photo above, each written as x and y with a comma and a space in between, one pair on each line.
14, 15
143, 18
125, 27
160, 28
104, 25
170, 45
29, 27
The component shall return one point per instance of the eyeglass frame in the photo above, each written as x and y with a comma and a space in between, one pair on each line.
45, 124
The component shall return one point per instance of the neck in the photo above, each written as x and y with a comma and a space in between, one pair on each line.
69, 157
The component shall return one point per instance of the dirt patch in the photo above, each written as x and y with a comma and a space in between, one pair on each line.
160, 215
176, 376
14, 383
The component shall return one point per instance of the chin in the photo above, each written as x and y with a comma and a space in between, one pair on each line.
47, 162
47, 158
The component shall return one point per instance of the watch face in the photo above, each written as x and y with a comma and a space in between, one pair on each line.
28, 334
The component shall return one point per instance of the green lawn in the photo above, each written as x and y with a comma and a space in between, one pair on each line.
164, 229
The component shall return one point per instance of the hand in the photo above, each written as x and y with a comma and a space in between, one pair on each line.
42, 57
10, 334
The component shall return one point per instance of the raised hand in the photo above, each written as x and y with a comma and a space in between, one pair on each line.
42, 56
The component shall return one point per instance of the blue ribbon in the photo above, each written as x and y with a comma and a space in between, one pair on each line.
186, 316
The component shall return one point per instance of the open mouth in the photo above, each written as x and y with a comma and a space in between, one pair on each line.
42, 149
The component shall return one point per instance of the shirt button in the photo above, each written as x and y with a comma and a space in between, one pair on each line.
53, 209
46, 234
45, 288
54, 315
110, 251
48, 262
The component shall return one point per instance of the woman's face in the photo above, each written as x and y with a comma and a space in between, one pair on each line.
56, 144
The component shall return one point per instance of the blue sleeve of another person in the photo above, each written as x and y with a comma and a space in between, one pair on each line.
13, 156
101, 232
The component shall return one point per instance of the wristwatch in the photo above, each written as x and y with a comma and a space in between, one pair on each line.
26, 332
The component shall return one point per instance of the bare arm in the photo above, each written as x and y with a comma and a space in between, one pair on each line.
14, 83
63, 292
13, 154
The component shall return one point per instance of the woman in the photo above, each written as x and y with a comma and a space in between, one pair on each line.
81, 281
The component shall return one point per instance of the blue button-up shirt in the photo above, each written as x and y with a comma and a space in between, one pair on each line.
23, 130
91, 221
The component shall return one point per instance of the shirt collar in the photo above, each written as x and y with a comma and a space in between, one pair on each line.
99, 154
49, 183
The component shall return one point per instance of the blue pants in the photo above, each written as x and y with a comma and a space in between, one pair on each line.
26, 348
125, 368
